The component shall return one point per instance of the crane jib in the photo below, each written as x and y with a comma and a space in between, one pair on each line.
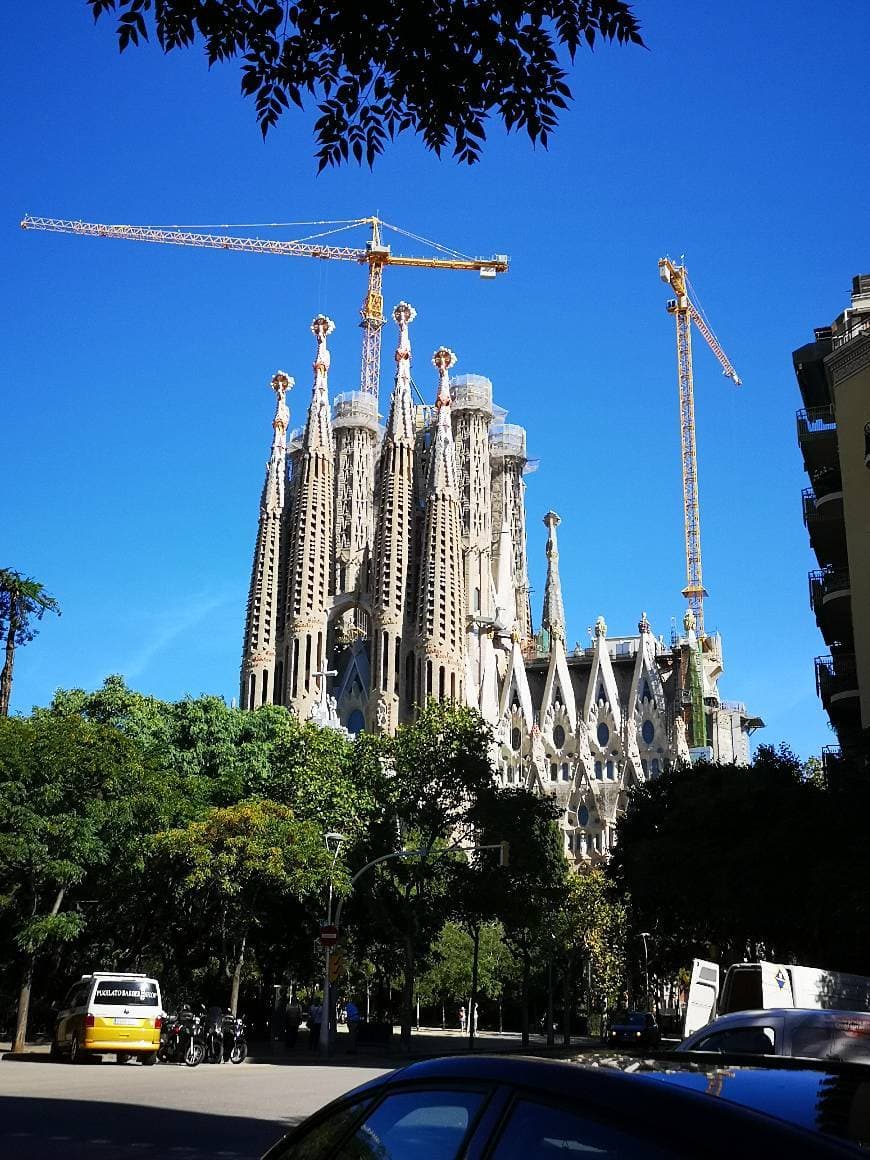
375, 255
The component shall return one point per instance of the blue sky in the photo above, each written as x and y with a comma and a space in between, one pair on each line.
136, 413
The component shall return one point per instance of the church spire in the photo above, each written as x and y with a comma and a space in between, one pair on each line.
553, 618
394, 543
441, 607
258, 682
310, 540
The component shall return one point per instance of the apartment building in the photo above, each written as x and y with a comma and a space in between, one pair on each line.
833, 374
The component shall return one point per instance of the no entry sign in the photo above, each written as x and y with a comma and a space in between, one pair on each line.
328, 936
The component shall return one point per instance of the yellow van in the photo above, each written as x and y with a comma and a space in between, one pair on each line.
109, 1011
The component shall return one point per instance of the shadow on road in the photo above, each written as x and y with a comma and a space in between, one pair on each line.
46, 1129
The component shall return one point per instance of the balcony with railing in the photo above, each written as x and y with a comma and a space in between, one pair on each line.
823, 519
830, 599
817, 438
837, 687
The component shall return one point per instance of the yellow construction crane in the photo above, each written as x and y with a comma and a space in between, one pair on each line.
375, 255
685, 312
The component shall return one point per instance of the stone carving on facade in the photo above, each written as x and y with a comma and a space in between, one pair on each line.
681, 745
382, 715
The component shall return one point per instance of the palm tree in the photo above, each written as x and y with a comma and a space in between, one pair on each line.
22, 599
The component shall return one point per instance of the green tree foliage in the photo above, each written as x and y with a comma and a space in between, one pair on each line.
227, 871
437, 770
23, 600
72, 795
526, 895
591, 932
448, 978
376, 69
760, 861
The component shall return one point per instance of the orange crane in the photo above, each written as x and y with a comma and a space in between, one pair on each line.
685, 312
376, 255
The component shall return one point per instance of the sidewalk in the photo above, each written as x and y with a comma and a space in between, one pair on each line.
425, 1042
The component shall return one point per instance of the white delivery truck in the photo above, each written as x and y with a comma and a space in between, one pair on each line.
756, 986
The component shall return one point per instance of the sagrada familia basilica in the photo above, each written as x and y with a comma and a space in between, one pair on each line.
391, 567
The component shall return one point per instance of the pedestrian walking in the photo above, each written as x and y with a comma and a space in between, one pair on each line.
351, 1014
462, 1019
292, 1020
315, 1018
474, 1019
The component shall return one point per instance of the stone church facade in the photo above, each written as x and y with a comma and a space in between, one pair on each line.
391, 567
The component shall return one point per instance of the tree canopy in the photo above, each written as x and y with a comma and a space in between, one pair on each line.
378, 68
725, 861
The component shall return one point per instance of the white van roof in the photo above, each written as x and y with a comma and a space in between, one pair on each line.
117, 975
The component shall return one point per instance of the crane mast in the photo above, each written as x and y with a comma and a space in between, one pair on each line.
376, 255
685, 313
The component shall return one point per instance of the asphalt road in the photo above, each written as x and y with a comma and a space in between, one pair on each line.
106, 1111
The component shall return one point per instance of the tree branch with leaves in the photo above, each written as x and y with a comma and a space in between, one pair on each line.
379, 68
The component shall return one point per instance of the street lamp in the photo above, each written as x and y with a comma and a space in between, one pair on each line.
333, 844
645, 934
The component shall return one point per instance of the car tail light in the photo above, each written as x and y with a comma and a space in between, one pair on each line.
89, 1021
158, 1023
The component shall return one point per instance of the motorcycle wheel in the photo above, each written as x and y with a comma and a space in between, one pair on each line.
194, 1055
240, 1051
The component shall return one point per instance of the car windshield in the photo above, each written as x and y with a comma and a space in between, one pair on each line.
127, 992
631, 1019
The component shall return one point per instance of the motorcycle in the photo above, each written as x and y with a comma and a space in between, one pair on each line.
234, 1040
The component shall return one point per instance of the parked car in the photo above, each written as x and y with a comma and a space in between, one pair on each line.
811, 1034
634, 1028
515, 1108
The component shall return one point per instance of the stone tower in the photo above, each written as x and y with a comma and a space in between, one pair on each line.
393, 544
439, 639
264, 596
310, 557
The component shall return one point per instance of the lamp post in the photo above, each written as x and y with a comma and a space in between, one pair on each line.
645, 934
333, 843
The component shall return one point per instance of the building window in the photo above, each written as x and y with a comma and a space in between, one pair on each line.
610, 770
554, 771
566, 771
602, 733
558, 736
648, 732
516, 740
598, 769
654, 767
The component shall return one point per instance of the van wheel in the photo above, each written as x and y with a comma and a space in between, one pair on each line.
150, 1059
76, 1055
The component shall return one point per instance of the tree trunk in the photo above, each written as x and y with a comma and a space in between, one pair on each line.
525, 1012
567, 1004
408, 996
6, 675
472, 1003
23, 1005
27, 985
237, 977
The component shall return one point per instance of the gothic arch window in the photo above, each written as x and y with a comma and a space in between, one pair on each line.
265, 695
559, 736
654, 767
610, 770
598, 769
566, 771
356, 722
252, 687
